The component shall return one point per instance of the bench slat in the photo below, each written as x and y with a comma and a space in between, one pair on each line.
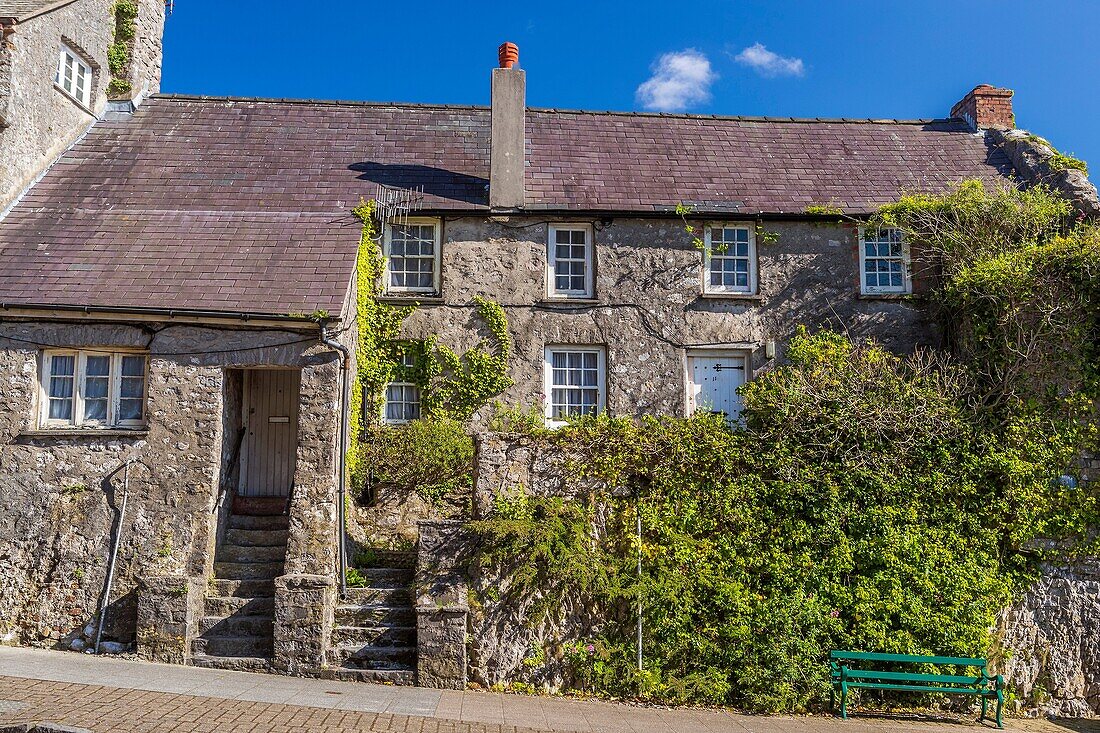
910, 658
870, 674
925, 688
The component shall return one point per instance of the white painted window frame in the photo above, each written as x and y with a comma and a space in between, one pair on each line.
709, 255
437, 227
742, 352
114, 390
548, 378
552, 261
63, 56
386, 402
906, 287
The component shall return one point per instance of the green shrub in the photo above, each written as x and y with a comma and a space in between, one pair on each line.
861, 505
431, 458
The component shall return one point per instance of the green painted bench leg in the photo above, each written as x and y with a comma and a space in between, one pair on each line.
985, 707
1000, 704
832, 698
844, 700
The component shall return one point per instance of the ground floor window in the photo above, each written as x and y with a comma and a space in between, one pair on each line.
93, 388
574, 382
713, 377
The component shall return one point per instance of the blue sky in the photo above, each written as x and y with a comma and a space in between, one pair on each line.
844, 58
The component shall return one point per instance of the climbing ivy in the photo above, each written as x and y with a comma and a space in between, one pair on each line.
118, 54
452, 386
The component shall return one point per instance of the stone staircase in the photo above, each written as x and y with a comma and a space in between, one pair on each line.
374, 636
237, 630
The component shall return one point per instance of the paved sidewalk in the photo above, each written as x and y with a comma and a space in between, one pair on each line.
104, 694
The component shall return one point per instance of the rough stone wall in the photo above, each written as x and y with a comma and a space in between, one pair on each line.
62, 493
1051, 643
647, 306
1031, 156
39, 120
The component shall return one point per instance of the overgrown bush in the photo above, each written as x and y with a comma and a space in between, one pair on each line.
860, 505
431, 458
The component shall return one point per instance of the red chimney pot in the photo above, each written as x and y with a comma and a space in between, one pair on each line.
508, 54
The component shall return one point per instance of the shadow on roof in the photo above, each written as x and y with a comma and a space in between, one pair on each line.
438, 182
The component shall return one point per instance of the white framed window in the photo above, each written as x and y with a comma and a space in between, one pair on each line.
883, 262
729, 259
411, 252
402, 402
74, 77
87, 388
575, 382
713, 377
569, 261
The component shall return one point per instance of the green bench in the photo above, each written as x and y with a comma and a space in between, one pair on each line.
849, 670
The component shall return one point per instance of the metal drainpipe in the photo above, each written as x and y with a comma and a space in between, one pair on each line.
114, 553
345, 369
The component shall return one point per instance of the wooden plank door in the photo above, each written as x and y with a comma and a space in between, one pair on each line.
714, 382
270, 448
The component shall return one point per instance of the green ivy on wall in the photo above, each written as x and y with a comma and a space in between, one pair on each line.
452, 386
118, 54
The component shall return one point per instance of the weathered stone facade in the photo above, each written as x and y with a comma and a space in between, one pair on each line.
64, 489
38, 121
648, 308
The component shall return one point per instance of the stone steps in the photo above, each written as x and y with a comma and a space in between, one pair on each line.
379, 636
375, 614
251, 553
374, 676
264, 522
237, 625
246, 589
373, 657
233, 646
256, 537
240, 664
390, 596
248, 570
388, 577
229, 605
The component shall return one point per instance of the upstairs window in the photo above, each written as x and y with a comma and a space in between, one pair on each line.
883, 262
574, 382
402, 399
569, 258
93, 389
74, 77
729, 259
412, 257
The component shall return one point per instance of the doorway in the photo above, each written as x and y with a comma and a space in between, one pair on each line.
269, 447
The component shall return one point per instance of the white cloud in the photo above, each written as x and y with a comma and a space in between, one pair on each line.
768, 63
680, 79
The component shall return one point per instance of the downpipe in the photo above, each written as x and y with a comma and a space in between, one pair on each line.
111, 559
341, 532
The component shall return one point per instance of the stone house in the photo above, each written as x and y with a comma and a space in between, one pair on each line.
55, 73
177, 299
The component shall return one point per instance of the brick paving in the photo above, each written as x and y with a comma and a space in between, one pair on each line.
103, 695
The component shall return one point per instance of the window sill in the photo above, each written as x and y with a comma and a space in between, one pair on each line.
885, 296
403, 299
85, 433
746, 297
73, 99
568, 301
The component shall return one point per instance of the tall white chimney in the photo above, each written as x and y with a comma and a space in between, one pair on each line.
506, 150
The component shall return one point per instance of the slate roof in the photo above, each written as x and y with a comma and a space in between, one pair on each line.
243, 205
23, 9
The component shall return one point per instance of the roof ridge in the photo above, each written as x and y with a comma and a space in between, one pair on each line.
556, 110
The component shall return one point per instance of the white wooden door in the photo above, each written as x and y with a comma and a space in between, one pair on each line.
714, 382
270, 448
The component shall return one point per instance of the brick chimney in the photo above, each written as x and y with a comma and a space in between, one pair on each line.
986, 106
506, 149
